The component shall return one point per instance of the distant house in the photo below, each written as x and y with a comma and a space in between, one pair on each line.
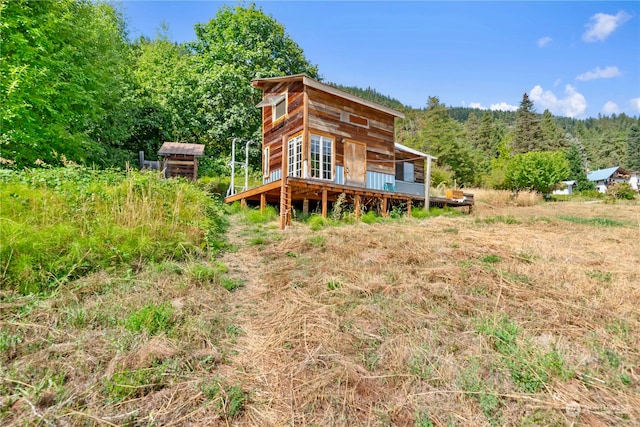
565, 188
603, 178
319, 142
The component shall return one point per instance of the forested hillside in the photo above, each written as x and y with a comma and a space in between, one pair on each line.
75, 87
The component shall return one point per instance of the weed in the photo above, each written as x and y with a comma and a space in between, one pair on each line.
332, 285
254, 216
509, 219
450, 230
422, 419
290, 254
151, 318
9, 341
230, 400
491, 259
319, 241
471, 381
130, 383
230, 284
370, 218
600, 276
339, 208
598, 222
317, 222
234, 330
256, 241
207, 273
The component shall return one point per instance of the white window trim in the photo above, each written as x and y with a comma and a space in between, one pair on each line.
321, 164
294, 156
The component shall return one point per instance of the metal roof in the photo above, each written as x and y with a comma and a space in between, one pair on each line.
602, 174
308, 81
412, 151
169, 148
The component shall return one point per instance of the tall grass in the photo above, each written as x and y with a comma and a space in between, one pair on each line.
60, 224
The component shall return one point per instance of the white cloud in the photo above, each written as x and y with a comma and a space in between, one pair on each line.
544, 41
573, 104
635, 104
477, 105
600, 73
503, 106
611, 108
601, 25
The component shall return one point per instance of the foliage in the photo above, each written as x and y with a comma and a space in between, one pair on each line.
61, 224
622, 190
527, 135
577, 170
597, 221
538, 171
64, 80
239, 44
633, 148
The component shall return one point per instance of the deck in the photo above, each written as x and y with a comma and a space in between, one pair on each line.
291, 191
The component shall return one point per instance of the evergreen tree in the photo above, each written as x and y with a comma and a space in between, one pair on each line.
633, 148
527, 135
577, 167
552, 135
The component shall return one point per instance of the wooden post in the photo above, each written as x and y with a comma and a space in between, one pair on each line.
324, 203
409, 207
385, 202
290, 206
243, 203
427, 183
263, 203
305, 207
357, 206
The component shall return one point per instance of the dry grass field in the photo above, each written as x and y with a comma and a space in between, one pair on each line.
514, 315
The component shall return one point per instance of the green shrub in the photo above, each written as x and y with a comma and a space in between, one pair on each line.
317, 222
622, 190
370, 218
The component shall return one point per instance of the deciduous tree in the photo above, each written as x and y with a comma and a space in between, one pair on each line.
537, 171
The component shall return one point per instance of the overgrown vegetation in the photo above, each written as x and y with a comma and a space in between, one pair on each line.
61, 224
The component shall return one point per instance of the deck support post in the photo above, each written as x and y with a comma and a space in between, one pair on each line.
409, 207
357, 206
305, 207
263, 203
385, 202
324, 204
243, 204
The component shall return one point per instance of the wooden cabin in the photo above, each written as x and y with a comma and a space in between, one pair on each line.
319, 142
180, 159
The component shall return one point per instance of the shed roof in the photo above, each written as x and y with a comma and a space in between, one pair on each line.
169, 148
406, 149
602, 174
308, 81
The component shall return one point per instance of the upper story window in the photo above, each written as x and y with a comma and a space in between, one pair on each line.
279, 107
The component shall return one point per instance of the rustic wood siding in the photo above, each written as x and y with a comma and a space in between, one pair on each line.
325, 117
273, 132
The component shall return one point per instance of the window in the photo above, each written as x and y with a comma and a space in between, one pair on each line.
279, 107
321, 157
405, 172
408, 172
295, 156
265, 162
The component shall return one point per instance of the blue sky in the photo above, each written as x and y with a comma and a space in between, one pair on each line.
578, 59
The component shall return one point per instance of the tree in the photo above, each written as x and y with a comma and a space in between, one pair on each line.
527, 135
64, 80
236, 46
577, 167
553, 138
633, 148
536, 171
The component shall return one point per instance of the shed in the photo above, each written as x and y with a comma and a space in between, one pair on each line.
180, 159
